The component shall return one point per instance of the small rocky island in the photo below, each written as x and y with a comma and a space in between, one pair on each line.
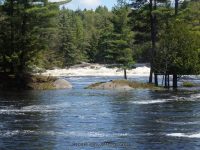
121, 85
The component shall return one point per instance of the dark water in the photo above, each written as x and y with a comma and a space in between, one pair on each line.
80, 119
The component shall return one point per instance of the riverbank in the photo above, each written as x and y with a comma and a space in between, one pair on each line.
32, 82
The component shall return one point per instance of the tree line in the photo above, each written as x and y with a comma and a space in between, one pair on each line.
46, 35
173, 37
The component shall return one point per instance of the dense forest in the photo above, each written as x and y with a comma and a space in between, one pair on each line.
39, 34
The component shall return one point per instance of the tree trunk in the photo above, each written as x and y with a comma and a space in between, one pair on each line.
168, 86
23, 49
176, 7
12, 33
156, 79
175, 83
165, 80
4, 64
125, 74
151, 75
153, 37
151, 59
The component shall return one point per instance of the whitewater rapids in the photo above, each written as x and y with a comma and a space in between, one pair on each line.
97, 70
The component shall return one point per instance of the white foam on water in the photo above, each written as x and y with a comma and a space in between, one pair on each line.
97, 70
193, 135
173, 99
10, 133
145, 102
85, 134
82, 134
15, 132
179, 123
195, 96
105, 114
91, 134
81, 117
18, 111
46, 107
36, 108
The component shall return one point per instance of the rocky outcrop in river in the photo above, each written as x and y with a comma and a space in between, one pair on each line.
121, 85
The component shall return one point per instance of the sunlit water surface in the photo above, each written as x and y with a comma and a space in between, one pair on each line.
95, 119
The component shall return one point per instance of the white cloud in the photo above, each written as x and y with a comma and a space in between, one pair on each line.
55, 0
90, 3
81, 4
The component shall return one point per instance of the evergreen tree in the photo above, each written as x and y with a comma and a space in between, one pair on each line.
27, 32
122, 36
153, 29
67, 38
105, 46
116, 41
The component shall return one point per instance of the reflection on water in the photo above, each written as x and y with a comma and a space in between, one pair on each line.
89, 119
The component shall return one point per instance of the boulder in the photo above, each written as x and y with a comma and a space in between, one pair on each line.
62, 84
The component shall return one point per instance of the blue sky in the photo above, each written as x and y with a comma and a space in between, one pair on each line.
90, 4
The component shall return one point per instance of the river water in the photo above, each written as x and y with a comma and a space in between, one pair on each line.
80, 119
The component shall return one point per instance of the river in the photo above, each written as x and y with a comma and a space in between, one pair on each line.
95, 119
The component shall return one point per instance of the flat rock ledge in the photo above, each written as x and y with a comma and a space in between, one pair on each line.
121, 85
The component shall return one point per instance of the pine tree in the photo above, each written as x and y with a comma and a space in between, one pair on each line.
153, 28
67, 38
122, 37
28, 28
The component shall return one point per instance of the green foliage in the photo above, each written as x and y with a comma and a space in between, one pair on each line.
116, 39
177, 45
188, 84
26, 30
179, 50
140, 22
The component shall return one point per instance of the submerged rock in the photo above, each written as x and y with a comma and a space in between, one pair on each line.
62, 84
